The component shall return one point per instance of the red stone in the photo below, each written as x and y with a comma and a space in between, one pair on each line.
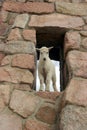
12, 6
15, 75
77, 63
48, 95
76, 92
39, 7
33, 124
46, 114
29, 7
14, 34
56, 20
6, 60
10, 121
24, 103
24, 61
72, 41
29, 35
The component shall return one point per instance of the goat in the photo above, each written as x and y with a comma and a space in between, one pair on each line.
46, 69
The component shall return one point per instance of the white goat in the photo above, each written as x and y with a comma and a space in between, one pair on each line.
46, 69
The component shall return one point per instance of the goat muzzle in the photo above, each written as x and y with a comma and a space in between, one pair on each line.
44, 59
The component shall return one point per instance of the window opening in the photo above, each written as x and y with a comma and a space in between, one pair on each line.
56, 39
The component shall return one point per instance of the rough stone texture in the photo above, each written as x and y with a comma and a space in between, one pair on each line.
85, 28
23, 61
32, 124
4, 96
85, 18
55, 20
77, 63
21, 0
0, 4
5, 93
2, 46
47, 114
78, 1
72, 40
39, 7
83, 33
36, 0
1, 57
29, 7
15, 75
72, 8
21, 20
6, 60
9, 121
29, 35
84, 43
48, 95
24, 87
75, 91
2, 105
14, 47
12, 18
59, 1
15, 35
73, 118
78, 28
3, 28
23, 103
11, 0
4, 15
59, 104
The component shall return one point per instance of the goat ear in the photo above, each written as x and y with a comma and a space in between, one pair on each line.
37, 49
50, 48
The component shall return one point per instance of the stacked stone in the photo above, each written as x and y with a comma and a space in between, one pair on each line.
20, 107
74, 100
27, 110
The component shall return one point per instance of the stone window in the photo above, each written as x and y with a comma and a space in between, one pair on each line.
53, 37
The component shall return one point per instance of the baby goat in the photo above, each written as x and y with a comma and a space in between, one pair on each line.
46, 69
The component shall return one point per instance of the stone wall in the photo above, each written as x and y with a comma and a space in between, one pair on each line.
20, 106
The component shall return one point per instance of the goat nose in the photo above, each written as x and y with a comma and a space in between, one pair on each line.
44, 59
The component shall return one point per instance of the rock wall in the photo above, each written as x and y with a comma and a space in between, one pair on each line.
20, 106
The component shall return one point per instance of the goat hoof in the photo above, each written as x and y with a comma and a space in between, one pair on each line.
47, 90
41, 89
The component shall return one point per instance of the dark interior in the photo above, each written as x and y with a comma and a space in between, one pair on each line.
53, 37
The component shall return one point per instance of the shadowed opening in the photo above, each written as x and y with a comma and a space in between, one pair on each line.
53, 37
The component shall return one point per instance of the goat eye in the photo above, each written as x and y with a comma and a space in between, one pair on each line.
41, 53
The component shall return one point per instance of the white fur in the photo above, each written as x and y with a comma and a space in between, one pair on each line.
46, 69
